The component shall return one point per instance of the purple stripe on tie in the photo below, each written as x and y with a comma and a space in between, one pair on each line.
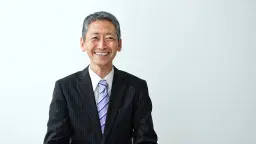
103, 102
103, 124
103, 107
103, 116
102, 91
103, 98
102, 84
103, 111
103, 120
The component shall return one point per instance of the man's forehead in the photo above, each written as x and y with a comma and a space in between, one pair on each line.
101, 30
101, 27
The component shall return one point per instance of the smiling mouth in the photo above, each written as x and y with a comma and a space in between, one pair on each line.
101, 53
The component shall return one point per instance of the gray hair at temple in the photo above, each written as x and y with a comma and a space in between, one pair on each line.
101, 15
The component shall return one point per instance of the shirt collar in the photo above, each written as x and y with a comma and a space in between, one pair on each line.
95, 78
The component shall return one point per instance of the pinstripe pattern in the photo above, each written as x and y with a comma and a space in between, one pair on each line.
73, 114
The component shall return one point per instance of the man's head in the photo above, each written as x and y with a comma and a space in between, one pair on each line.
101, 38
101, 16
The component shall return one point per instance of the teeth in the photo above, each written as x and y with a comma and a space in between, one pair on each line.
101, 54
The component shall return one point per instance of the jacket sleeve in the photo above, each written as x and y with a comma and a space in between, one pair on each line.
144, 132
58, 131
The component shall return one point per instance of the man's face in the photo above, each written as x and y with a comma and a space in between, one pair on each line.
101, 43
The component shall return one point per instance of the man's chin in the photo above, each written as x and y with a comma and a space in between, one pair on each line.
102, 64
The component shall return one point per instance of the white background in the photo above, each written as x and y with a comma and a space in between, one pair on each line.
198, 57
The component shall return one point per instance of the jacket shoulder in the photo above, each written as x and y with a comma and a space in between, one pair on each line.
133, 80
70, 78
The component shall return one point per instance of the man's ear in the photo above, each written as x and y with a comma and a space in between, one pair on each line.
82, 44
119, 45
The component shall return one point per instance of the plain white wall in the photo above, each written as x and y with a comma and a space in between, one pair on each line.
198, 57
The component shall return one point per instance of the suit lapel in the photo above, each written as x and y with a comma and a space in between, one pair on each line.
89, 102
115, 103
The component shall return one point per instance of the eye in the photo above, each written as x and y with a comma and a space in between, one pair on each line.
94, 38
110, 38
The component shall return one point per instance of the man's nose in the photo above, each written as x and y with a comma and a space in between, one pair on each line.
102, 44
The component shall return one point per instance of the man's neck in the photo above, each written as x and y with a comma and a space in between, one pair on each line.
101, 71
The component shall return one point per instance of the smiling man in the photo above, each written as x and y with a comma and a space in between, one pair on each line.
100, 104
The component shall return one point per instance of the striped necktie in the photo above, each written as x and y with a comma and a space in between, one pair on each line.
102, 104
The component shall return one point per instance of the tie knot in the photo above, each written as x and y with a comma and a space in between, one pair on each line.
103, 83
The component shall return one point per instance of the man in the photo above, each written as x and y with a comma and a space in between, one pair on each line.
101, 104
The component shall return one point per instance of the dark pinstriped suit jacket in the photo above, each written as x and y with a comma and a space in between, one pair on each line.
73, 116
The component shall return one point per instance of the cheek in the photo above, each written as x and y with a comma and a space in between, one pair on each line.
113, 46
91, 47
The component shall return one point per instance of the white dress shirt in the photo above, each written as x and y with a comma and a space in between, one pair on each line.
95, 80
